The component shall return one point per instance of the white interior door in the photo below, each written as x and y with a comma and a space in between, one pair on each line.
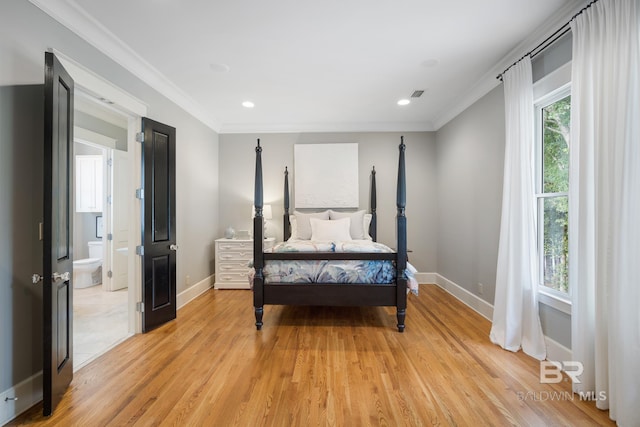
120, 219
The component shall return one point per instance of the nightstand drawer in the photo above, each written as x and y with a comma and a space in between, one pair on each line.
235, 256
233, 266
235, 246
235, 277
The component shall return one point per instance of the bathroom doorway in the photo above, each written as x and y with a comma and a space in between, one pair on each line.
101, 289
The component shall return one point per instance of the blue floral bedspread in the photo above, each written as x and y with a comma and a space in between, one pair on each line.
322, 271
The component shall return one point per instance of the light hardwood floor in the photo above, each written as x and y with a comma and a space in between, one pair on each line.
316, 366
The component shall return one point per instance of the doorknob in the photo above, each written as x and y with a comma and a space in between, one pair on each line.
64, 276
173, 247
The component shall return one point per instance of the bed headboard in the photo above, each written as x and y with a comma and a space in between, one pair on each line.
373, 199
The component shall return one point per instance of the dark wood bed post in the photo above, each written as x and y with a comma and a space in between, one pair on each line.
401, 219
258, 241
373, 226
287, 224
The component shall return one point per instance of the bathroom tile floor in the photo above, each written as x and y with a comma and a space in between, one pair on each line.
99, 322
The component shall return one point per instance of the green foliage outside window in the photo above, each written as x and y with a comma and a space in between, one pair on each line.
555, 207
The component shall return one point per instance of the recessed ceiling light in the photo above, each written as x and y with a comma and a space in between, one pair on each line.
248, 104
404, 102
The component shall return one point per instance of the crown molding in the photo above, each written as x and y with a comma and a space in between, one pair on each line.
76, 19
326, 127
489, 81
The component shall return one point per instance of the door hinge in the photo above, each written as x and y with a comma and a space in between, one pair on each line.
109, 200
110, 236
140, 193
140, 250
109, 274
110, 162
140, 137
140, 307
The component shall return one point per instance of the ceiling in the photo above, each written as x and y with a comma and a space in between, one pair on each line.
330, 65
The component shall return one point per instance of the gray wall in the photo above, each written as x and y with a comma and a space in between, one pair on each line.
237, 164
89, 122
21, 183
470, 159
25, 34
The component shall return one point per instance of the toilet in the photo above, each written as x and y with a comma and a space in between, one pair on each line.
88, 272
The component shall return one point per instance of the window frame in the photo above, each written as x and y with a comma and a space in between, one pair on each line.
550, 89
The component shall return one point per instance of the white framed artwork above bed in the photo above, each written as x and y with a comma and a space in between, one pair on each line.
326, 176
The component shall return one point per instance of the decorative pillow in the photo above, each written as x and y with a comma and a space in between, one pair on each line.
334, 231
294, 227
302, 228
357, 230
366, 223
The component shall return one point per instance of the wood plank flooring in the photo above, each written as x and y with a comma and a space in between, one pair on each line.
316, 366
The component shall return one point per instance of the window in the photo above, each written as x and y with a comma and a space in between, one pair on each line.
553, 142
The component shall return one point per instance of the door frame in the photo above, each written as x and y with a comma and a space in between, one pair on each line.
133, 109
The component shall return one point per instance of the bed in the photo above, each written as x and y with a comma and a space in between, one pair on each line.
338, 277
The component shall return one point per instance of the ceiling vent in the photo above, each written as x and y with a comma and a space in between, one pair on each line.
417, 93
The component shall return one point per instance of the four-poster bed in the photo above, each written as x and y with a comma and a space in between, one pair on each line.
385, 285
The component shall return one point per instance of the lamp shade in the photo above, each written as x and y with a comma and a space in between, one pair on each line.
266, 212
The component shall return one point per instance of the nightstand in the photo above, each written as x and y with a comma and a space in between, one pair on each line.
232, 259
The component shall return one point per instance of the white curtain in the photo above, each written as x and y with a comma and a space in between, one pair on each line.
604, 197
516, 323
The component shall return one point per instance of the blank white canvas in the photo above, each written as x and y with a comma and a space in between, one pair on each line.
326, 176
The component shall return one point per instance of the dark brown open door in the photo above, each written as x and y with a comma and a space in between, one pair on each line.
159, 223
57, 233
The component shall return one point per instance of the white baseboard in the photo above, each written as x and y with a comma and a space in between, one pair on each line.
556, 351
28, 392
473, 301
426, 278
194, 291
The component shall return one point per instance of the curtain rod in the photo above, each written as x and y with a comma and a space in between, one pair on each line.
549, 40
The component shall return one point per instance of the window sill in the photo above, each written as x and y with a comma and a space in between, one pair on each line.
558, 302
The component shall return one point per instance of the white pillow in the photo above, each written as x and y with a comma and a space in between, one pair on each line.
357, 230
334, 231
302, 228
365, 224
294, 227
